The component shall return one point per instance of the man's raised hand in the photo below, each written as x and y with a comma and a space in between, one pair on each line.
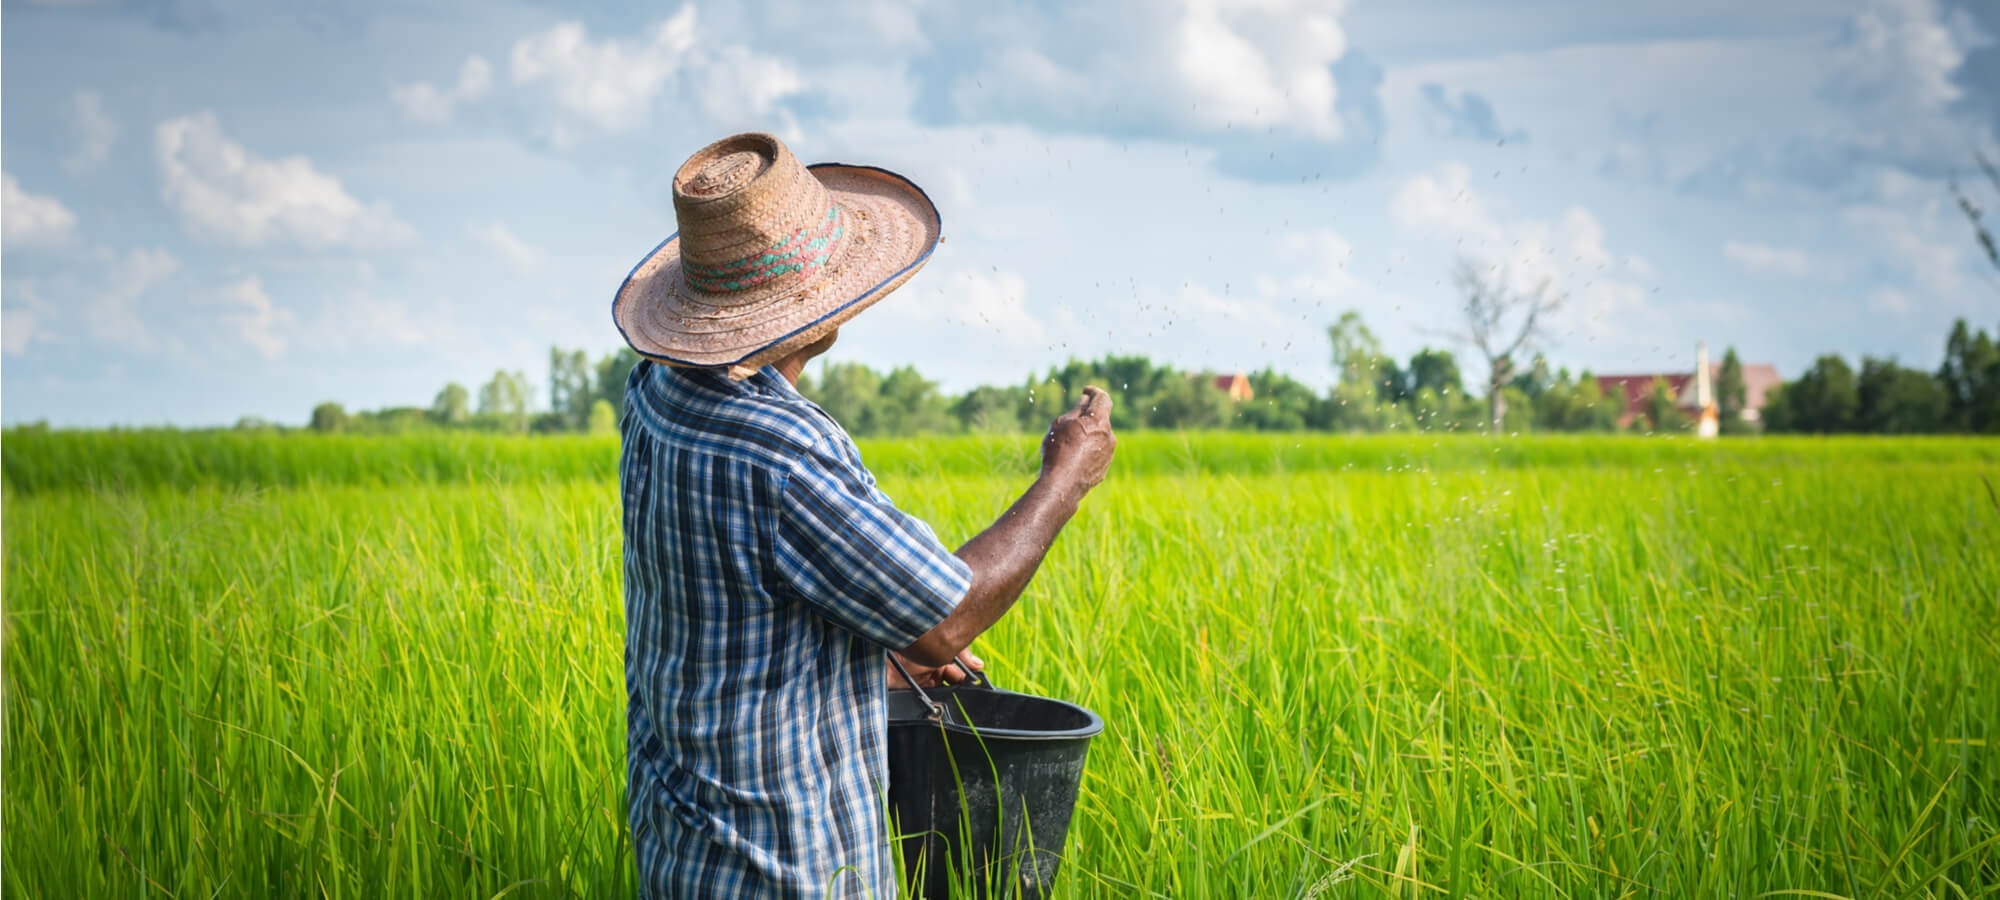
1077, 450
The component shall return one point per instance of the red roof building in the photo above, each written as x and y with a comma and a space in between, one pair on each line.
1237, 386
1633, 390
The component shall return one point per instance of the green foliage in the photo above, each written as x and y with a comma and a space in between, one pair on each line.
453, 405
1970, 376
1895, 400
908, 403
1436, 370
329, 417
612, 372
503, 401
1372, 393
991, 410
390, 421
1356, 351
1281, 403
249, 665
1536, 381
1358, 406
572, 388
1731, 396
1520, 411
1188, 402
1824, 400
1663, 413
1453, 411
848, 392
1365, 396
603, 418
1392, 382
1578, 404
1144, 395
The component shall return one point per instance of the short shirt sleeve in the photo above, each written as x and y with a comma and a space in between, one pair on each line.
858, 560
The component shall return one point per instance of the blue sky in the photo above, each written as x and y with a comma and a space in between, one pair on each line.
218, 208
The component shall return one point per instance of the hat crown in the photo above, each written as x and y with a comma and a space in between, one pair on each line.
751, 217
725, 174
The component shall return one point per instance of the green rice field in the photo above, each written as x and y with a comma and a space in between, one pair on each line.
292, 665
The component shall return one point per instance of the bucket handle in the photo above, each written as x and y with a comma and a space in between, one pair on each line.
936, 712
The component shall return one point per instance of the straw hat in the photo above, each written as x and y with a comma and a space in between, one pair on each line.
771, 255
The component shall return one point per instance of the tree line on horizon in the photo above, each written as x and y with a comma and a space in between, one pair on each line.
1884, 397
1374, 392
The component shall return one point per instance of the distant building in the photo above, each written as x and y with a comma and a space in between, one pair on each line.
1237, 386
1695, 395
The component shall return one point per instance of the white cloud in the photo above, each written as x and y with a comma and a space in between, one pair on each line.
1323, 255
364, 319
889, 28
1444, 204
1893, 75
223, 192
425, 102
1568, 255
253, 317
113, 315
17, 330
1912, 242
99, 303
375, 319
1790, 262
500, 239
1889, 301
28, 220
1207, 65
998, 303
613, 86
736, 83
993, 306
1897, 55
610, 84
1275, 318
1444, 201
21, 320
94, 130
1271, 58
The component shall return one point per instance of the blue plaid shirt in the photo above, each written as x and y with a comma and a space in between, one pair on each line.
764, 576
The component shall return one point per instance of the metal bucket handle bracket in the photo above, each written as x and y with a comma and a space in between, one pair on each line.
934, 712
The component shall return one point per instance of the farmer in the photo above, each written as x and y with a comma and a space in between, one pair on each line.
765, 575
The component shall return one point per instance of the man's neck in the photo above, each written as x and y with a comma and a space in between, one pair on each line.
791, 367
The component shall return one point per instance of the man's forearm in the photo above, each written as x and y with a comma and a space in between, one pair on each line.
1003, 559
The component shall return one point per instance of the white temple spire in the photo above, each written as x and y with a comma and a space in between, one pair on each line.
1708, 425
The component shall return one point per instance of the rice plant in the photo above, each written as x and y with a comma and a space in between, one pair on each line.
287, 665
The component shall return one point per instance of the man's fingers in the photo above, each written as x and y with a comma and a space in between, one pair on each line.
1095, 403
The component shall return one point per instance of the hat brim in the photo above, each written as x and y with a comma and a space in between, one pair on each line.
894, 229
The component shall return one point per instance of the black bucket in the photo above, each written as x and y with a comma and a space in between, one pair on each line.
981, 785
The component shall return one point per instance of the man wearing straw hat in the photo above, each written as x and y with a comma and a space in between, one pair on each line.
765, 573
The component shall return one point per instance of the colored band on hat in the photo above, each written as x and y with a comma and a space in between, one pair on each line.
805, 250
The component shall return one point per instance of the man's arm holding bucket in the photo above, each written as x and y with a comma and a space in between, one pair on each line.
1076, 454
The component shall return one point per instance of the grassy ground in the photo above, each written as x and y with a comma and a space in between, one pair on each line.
256, 666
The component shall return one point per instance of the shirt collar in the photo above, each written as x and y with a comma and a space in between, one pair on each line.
765, 382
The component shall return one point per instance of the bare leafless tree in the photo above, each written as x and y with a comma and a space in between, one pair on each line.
1501, 321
